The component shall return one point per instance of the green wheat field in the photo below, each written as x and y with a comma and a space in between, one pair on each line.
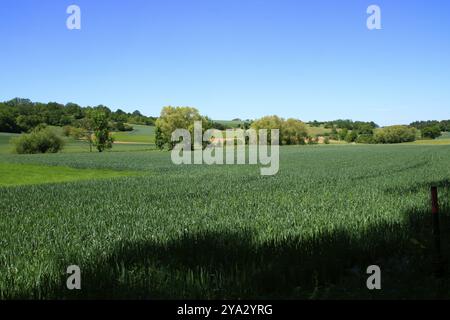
140, 227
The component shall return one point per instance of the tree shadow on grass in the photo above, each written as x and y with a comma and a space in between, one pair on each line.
234, 265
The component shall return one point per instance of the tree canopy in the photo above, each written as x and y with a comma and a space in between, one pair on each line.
395, 134
292, 131
173, 118
431, 132
23, 115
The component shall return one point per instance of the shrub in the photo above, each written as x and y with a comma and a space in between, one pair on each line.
292, 131
343, 134
40, 140
395, 134
365, 138
67, 130
120, 126
351, 136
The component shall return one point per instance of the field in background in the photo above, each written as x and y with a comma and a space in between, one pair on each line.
5, 145
317, 131
445, 136
226, 231
442, 140
140, 134
13, 174
142, 138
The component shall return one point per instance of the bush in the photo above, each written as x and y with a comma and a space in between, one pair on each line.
343, 134
67, 131
365, 138
351, 136
292, 131
120, 126
395, 134
40, 140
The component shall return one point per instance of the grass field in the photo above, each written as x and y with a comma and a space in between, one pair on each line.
317, 131
5, 138
13, 174
225, 231
445, 136
72, 146
432, 142
140, 134
442, 140
132, 141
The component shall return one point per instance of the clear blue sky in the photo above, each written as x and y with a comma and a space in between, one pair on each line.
233, 58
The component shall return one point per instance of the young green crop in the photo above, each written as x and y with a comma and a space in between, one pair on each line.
14, 174
225, 231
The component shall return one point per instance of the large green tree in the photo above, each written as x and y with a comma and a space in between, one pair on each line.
102, 138
173, 118
8, 120
395, 134
292, 131
431, 132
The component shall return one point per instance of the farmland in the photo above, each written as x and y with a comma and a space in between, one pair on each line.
155, 230
140, 134
26, 174
126, 142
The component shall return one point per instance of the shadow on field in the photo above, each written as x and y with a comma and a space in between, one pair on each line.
233, 264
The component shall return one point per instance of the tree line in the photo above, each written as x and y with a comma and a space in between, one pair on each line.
292, 131
93, 124
22, 115
344, 124
432, 129
370, 132
45, 139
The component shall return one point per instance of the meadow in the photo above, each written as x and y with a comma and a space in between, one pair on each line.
140, 134
155, 230
125, 141
5, 145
